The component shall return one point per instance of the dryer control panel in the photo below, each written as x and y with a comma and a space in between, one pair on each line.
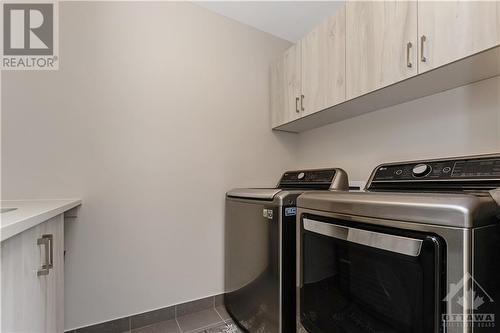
480, 171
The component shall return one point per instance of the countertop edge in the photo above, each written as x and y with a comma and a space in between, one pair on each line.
16, 228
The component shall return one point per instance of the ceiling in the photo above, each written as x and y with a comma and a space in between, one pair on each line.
289, 20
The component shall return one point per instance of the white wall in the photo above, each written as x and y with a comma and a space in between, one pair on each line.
458, 122
157, 110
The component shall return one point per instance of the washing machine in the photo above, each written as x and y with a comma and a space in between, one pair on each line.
260, 249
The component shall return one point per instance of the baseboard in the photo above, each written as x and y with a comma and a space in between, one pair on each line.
127, 324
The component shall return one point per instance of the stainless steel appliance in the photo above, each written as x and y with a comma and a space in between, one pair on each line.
415, 253
260, 249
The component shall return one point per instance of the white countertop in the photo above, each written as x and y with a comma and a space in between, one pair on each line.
29, 213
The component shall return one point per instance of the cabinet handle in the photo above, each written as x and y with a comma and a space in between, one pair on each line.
297, 104
302, 102
422, 43
408, 48
48, 242
51, 252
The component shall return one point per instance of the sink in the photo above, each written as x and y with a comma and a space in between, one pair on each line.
5, 210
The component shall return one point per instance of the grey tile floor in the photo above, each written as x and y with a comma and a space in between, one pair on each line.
212, 320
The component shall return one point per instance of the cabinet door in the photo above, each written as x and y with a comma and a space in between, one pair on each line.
33, 302
286, 87
323, 64
378, 52
292, 74
456, 29
55, 281
277, 94
24, 294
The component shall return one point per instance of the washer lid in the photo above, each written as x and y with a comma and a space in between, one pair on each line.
254, 193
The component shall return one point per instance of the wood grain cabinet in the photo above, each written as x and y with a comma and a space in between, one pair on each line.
311, 74
381, 48
375, 54
286, 87
323, 65
32, 279
451, 30
292, 73
277, 94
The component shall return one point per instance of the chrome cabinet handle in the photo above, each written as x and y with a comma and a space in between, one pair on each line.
302, 102
422, 42
48, 242
51, 252
408, 48
297, 104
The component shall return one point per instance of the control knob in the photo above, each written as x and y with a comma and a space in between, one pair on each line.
421, 170
301, 176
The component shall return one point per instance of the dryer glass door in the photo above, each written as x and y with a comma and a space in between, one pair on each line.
358, 278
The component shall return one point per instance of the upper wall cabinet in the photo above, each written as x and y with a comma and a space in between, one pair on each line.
292, 68
286, 87
323, 65
375, 54
311, 74
451, 30
381, 44
277, 93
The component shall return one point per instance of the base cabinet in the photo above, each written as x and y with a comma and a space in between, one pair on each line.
32, 270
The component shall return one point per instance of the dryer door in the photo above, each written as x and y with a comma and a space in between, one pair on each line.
358, 278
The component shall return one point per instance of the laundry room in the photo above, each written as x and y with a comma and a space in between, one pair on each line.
250, 166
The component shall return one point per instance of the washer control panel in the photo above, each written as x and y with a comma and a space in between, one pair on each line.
473, 169
308, 176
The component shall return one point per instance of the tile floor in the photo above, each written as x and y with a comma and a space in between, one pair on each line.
212, 320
